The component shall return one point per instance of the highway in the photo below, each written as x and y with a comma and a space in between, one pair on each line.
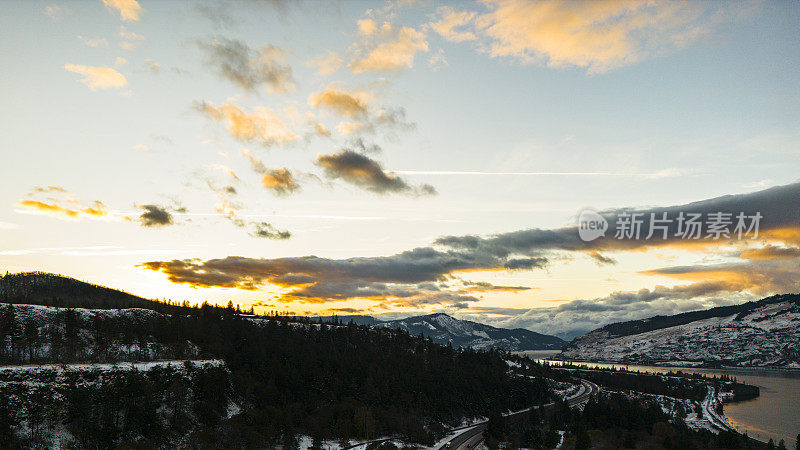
473, 436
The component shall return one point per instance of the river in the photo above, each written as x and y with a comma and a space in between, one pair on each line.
774, 414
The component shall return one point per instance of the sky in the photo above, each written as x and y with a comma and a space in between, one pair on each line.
404, 157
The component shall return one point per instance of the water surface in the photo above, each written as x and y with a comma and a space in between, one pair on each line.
774, 414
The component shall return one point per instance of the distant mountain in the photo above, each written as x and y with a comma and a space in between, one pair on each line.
444, 329
55, 290
763, 333
356, 319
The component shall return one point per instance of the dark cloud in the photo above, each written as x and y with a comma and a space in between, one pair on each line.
359, 170
250, 68
760, 276
778, 206
601, 259
280, 181
407, 278
525, 263
364, 117
267, 231
416, 277
155, 216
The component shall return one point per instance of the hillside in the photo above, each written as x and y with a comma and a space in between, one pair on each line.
55, 290
444, 329
45, 334
754, 334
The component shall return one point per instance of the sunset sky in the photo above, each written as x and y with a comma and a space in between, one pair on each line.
401, 157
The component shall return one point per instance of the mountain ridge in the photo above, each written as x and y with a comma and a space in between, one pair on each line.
759, 333
60, 291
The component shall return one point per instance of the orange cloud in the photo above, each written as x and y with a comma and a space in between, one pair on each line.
263, 125
129, 10
352, 104
450, 21
598, 35
60, 203
771, 252
386, 48
280, 181
98, 77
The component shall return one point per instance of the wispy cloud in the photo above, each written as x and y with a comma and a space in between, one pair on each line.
597, 35
326, 63
248, 67
93, 42
263, 126
357, 107
98, 78
385, 47
450, 24
56, 12
58, 202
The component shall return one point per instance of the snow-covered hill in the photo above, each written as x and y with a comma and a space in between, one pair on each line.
36, 334
763, 334
442, 329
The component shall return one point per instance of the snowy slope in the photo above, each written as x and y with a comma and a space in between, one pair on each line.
42, 332
442, 329
765, 335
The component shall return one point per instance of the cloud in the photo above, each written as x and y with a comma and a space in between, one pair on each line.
386, 48
226, 170
419, 277
315, 279
482, 286
598, 35
130, 40
56, 12
600, 259
250, 68
449, 21
359, 170
779, 223
129, 10
761, 277
576, 317
279, 181
58, 202
155, 216
98, 78
438, 61
357, 107
265, 230
342, 103
263, 126
770, 252
152, 65
93, 42
326, 63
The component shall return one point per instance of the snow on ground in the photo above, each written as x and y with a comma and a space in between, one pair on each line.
113, 366
306, 442
763, 337
709, 419
566, 390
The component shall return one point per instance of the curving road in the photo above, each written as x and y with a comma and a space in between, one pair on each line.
473, 436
